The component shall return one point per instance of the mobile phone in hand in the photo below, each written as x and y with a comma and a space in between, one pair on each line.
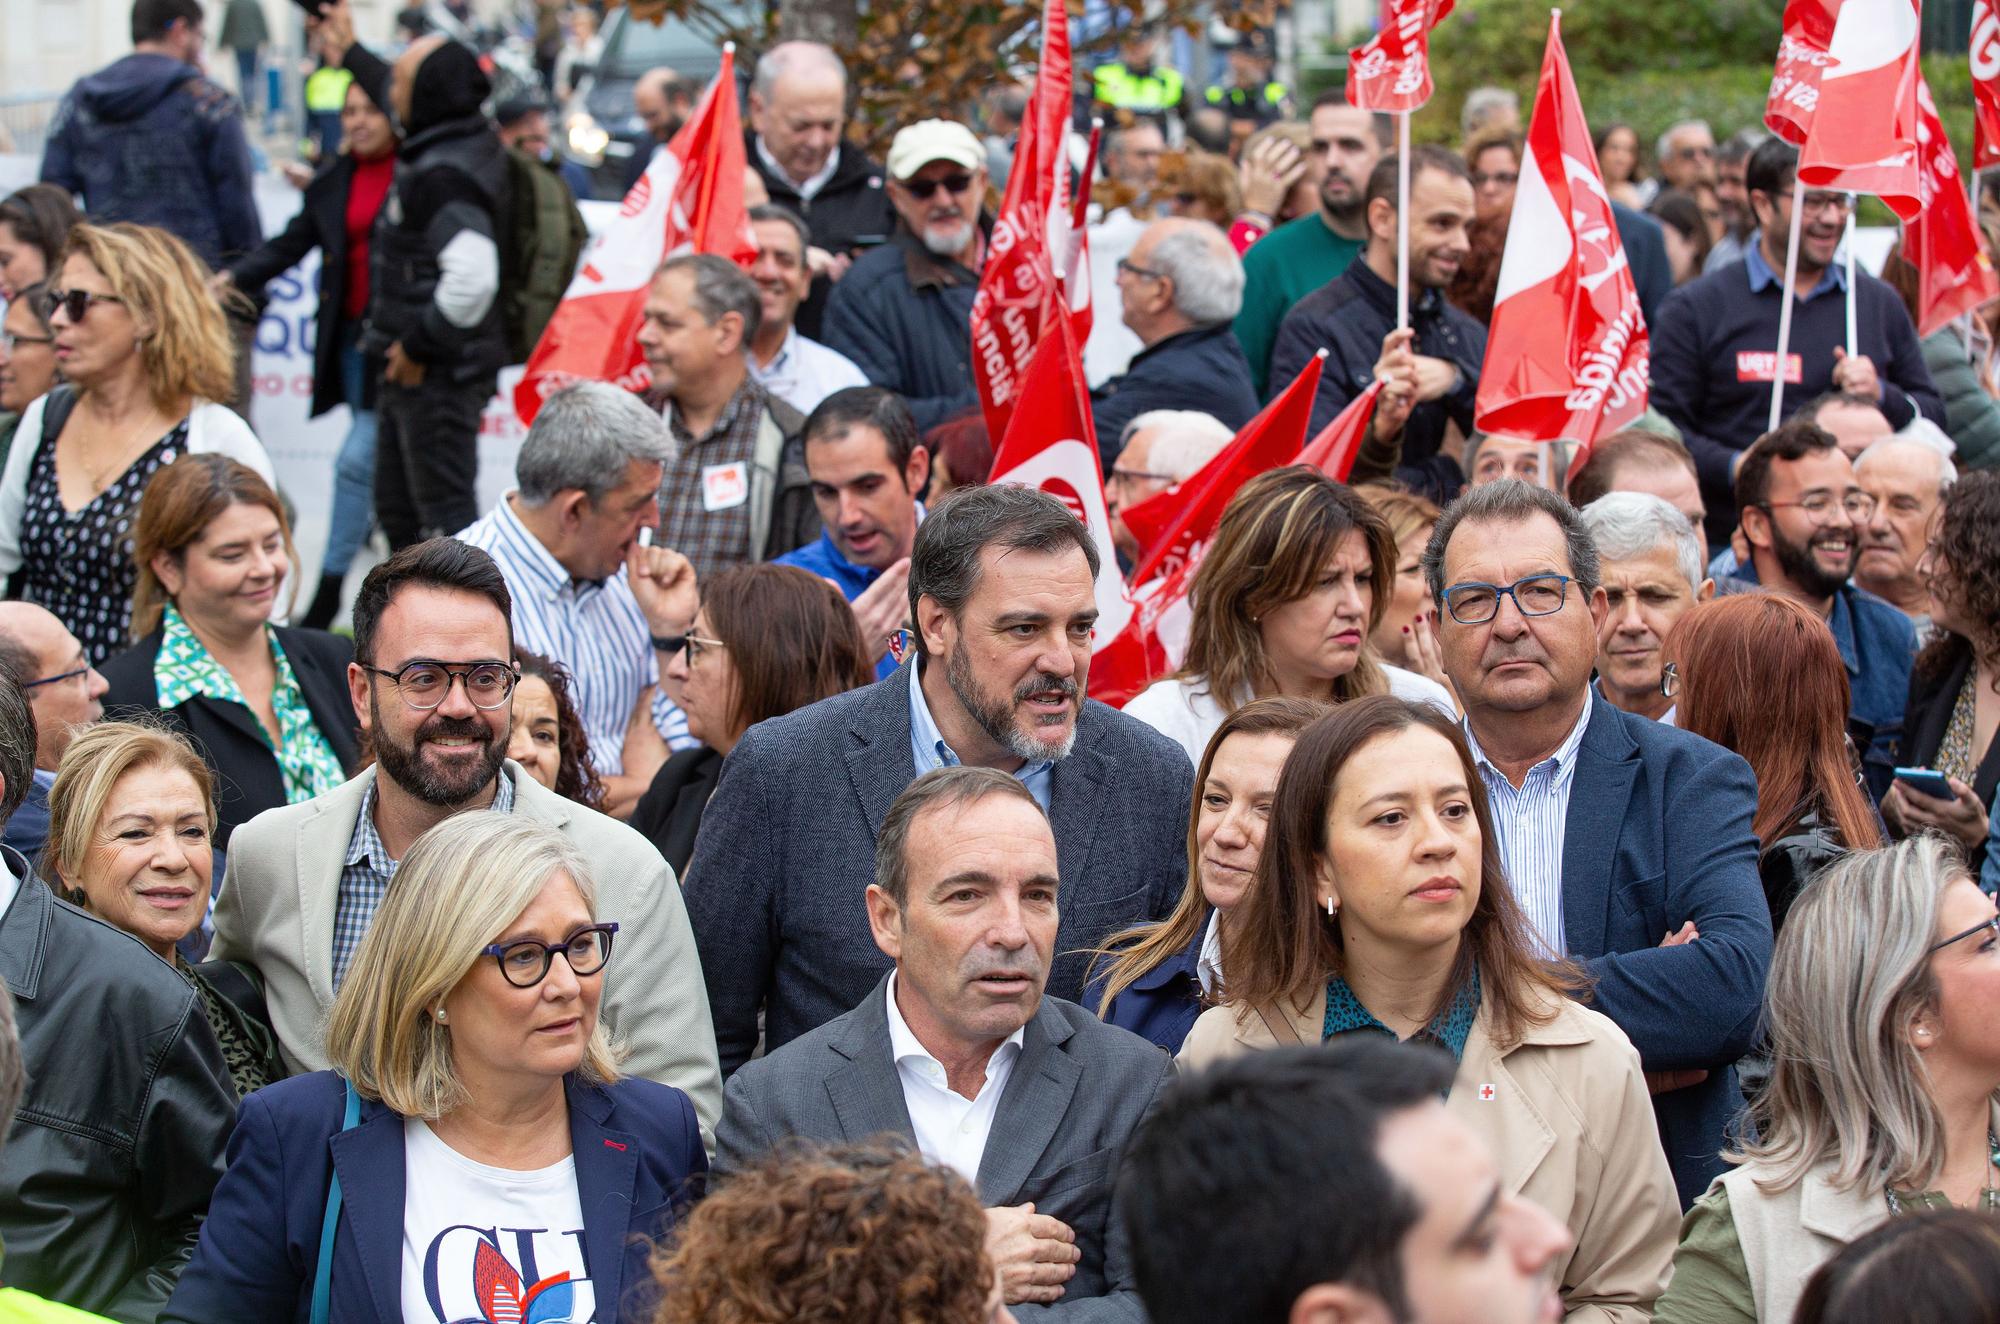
1926, 781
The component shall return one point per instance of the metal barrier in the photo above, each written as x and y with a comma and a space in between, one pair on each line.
24, 120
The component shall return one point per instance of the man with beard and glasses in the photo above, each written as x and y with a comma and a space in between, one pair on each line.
1001, 591
1302, 255
1804, 515
1715, 341
902, 311
959, 1049
431, 680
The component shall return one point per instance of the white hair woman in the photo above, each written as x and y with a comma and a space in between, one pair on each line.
475, 1155
1885, 1082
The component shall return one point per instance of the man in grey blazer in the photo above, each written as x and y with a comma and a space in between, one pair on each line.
303, 881
1002, 594
1030, 1098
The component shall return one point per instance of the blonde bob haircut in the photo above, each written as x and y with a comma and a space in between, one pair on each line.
462, 884
1850, 977
184, 338
88, 775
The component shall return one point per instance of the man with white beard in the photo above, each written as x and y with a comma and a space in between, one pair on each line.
901, 312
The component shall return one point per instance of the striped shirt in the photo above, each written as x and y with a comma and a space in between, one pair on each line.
1530, 823
594, 628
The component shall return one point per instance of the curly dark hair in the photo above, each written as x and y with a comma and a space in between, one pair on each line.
861, 1234
1967, 545
575, 778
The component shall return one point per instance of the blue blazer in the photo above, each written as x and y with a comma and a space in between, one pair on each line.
639, 1162
1159, 1006
1659, 833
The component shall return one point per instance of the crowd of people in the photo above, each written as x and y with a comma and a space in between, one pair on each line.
1549, 882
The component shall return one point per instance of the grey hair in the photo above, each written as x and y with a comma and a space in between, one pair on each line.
944, 563
1947, 471
13, 1071
584, 438
17, 746
939, 788
1850, 976
1666, 139
1506, 502
790, 57
1207, 274
1190, 439
720, 287
1629, 524
1481, 102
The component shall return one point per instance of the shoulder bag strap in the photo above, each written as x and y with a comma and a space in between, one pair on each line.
322, 1297
1280, 1027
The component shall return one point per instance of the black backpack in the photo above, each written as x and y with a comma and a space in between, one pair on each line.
545, 237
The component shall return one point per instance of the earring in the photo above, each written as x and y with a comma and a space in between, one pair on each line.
1332, 907
440, 1015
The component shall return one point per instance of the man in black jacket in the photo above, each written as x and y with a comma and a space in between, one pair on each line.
1431, 369
118, 1140
798, 119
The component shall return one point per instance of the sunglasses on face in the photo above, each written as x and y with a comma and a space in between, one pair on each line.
75, 303
921, 189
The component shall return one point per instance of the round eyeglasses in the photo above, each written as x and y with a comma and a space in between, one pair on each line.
526, 962
1534, 595
424, 684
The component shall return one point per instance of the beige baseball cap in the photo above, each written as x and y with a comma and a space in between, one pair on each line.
919, 144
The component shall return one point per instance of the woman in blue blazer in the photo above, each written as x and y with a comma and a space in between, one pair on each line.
1155, 979
489, 1162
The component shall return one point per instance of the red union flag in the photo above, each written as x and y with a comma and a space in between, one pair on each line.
1985, 55
1169, 526
1863, 135
1802, 60
1032, 247
1942, 243
1332, 452
1052, 446
689, 200
1392, 70
1566, 358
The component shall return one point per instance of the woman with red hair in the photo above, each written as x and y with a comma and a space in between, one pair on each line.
1760, 674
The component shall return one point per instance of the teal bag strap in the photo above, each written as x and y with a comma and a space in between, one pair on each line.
322, 1296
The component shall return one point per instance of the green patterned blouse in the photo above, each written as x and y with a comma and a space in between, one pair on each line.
184, 669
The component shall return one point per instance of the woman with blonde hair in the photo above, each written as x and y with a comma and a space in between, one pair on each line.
1296, 578
131, 826
1379, 907
475, 1154
1407, 636
145, 351
1885, 1083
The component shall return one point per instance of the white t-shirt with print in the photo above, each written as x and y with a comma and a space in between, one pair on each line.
489, 1244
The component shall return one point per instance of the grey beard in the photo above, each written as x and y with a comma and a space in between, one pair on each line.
951, 244
997, 719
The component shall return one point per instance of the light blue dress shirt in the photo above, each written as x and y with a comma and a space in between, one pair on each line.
930, 752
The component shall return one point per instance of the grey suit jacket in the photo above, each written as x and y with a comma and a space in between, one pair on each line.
786, 851
1077, 1093
282, 886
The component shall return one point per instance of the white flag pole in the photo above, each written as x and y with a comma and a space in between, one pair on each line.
1853, 334
1402, 219
1972, 197
1785, 312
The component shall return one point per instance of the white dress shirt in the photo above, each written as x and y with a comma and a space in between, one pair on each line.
1531, 823
1208, 961
805, 372
951, 1129
813, 184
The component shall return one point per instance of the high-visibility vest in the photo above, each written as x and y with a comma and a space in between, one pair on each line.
1150, 93
1272, 96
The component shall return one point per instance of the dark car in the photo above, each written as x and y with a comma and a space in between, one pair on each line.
601, 131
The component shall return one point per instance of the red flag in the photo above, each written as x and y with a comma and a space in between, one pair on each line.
1332, 452
1051, 445
1032, 247
1391, 71
689, 200
1953, 273
1802, 59
1168, 526
1863, 135
1985, 55
1566, 356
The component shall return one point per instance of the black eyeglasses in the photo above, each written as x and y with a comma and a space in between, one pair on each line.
1534, 595
1482, 178
424, 684
53, 680
526, 963
1127, 267
10, 342
75, 303
921, 189
1984, 926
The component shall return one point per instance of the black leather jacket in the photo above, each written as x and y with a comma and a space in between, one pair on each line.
117, 1143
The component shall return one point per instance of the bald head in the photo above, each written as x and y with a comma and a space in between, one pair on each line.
662, 102
35, 647
798, 106
1182, 274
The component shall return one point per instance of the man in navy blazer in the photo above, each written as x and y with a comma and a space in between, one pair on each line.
1002, 594
1628, 843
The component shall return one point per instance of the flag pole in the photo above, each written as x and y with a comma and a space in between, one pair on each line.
1402, 219
1785, 312
1972, 197
1853, 334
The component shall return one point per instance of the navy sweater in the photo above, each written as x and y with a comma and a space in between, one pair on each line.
1712, 366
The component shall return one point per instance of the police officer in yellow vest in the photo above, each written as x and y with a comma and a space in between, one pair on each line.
1250, 94
1136, 85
